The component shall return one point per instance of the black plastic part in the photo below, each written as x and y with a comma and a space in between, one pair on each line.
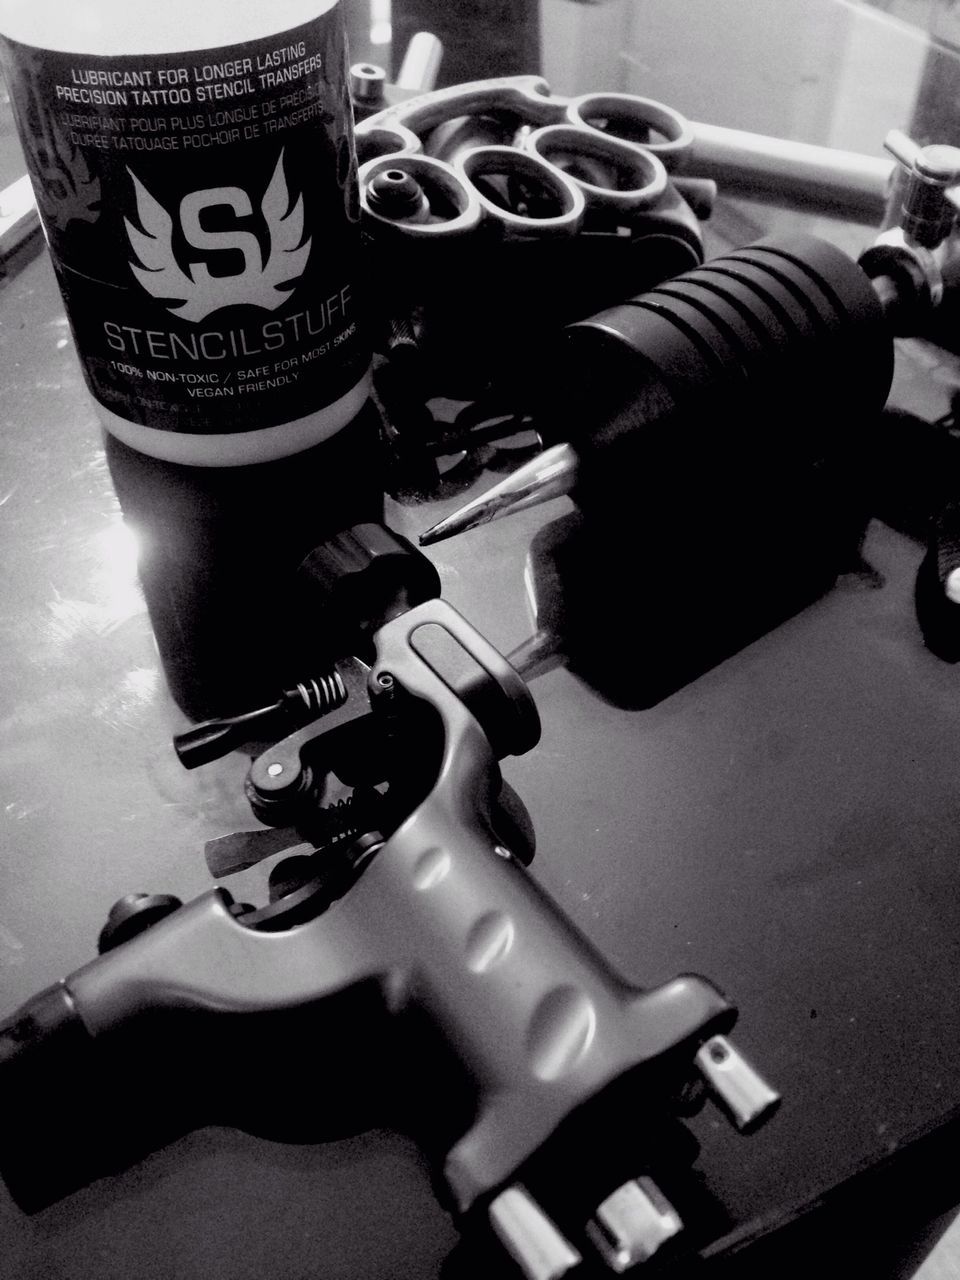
725, 423
367, 575
77, 1108
214, 739
728, 410
396, 194
133, 914
937, 614
749, 339
47, 1024
44, 1052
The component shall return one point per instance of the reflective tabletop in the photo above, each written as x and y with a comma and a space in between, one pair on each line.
783, 821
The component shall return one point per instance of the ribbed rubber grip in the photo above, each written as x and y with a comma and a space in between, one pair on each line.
723, 424
785, 338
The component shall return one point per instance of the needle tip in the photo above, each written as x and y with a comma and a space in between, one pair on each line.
548, 475
466, 518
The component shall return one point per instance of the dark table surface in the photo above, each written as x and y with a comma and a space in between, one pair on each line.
785, 824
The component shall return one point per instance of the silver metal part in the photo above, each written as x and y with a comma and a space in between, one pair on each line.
792, 174
632, 1224
396, 135
226, 855
548, 475
737, 1086
898, 254
930, 198
919, 239
421, 63
529, 1236
537, 655
367, 82
323, 693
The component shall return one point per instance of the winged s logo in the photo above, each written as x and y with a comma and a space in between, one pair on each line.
68, 191
194, 293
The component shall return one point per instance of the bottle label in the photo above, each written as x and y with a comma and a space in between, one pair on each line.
202, 215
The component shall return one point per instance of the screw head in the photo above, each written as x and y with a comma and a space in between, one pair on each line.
939, 162
366, 82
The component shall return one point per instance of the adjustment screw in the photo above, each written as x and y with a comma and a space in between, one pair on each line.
383, 690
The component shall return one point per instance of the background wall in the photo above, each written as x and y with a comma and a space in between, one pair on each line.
832, 73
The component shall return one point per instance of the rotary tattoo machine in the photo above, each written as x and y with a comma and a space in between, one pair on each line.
405, 918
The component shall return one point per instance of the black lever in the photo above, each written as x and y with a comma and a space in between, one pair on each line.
309, 700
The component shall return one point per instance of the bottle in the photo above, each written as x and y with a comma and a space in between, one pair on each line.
195, 172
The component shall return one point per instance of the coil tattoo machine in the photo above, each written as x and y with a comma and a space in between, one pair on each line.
413, 907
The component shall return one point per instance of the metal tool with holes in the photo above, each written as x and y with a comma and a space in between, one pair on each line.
509, 155
594, 154
492, 203
421, 912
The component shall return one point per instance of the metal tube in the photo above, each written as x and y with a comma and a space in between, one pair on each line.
421, 63
798, 175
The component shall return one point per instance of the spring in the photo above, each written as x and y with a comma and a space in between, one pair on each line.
345, 819
322, 694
